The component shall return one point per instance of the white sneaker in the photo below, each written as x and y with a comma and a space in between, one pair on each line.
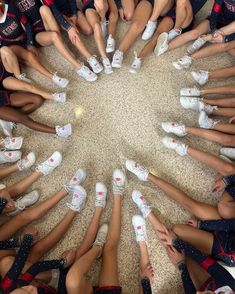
101, 236
78, 198
201, 76
12, 143
140, 171
24, 202
22, 77
7, 127
59, 97
229, 152
87, 74
104, 25
149, 30
190, 92
183, 63
174, 128
10, 156
100, 195
140, 201
136, 64
119, 180
64, 131
110, 47
117, 59
225, 158
179, 147
107, 66
61, 82
190, 102
173, 34
198, 44
205, 122
27, 162
48, 166
78, 178
94, 64
139, 226
162, 45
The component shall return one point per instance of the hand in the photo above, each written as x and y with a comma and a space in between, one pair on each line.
232, 120
74, 35
122, 15
34, 51
174, 255
33, 231
219, 185
193, 223
10, 203
73, 20
218, 37
166, 237
147, 272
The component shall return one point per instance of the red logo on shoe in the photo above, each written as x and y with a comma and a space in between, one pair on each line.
142, 197
139, 228
51, 160
118, 179
100, 193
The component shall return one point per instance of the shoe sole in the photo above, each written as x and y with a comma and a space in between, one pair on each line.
110, 51
161, 40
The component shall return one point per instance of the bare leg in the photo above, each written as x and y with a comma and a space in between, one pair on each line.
200, 239
222, 102
10, 61
83, 24
26, 102
212, 135
184, 14
156, 224
90, 233
225, 128
140, 18
113, 18
31, 60
161, 8
223, 90
48, 242
109, 267
222, 73
229, 112
8, 170
12, 83
165, 26
128, 9
199, 209
202, 28
9, 228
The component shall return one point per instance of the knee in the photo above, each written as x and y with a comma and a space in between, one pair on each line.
181, 3
224, 209
44, 10
228, 169
129, 15
87, 30
38, 101
5, 51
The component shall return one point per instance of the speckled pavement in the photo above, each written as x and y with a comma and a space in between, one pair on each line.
119, 117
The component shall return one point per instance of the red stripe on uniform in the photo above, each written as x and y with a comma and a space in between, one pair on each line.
217, 7
6, 283
23, 20
27, 277
207, 263
48, 2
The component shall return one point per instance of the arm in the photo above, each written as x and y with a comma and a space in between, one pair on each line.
227, 225
58, 16
220, 275
214, 14
186, 279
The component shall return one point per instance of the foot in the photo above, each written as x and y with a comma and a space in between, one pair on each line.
205, 122
24, 202
162, 45
27, 162
117, 59
107, 66
183, 63
173, 34
190, 92
190, 102
104, 25
201, 76
229, 152
95, 64
110, 44
78, 178
12, 143
101, 237
119, 181
87, 74
61, 82
48, 166
149, 30
140, 201
79, 195
174, 128
10, 156
100, 195
139, 226
23, 77
136, 64
176, 145
59, 97
64, 131
198, 44
7, 127
140, 171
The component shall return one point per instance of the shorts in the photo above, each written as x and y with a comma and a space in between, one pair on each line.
222, 21
3, 75
21, 43
107, 290
91, 5
5, 99
223, 248
151, 2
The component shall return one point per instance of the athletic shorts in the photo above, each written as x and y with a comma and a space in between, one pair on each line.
3, 75
223, 248
221, 22
5, 98
151, 2
21, 43
108, 290
90, 5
